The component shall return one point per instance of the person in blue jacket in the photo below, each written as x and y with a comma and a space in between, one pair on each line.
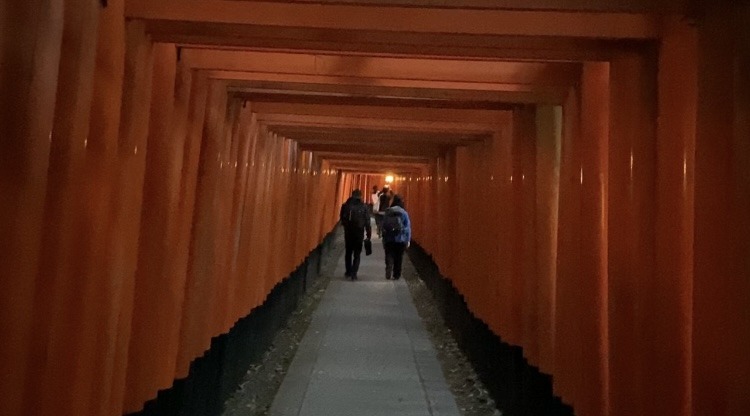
396, 229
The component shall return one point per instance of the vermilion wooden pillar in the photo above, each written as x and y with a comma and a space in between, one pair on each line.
467, 181
442, 230
240, 169
524, 279
548, 140
631, 203
307, 197
158, 291
198, 287
592, 299
114, 206
478, 281
29, 62
668, 296
245, 293
64, 339
566, 331
480, 265
187, 118
502, 185
459, 203
222, 217
268, 196
255, 251
581, 322
126, 204
450, 206
721, 296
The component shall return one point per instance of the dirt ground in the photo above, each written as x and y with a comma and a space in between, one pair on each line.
261, 382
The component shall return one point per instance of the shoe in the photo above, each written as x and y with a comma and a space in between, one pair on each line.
354, 277
396, 277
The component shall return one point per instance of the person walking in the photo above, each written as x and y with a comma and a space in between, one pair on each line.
374, 201
396, 228
375, 205
384, 201
374, 198
355, 218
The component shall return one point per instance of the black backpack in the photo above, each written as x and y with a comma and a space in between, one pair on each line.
384, 202
356, 216
392, 225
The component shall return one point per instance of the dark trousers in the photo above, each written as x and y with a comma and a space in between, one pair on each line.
394, 256
352, 255
378, 221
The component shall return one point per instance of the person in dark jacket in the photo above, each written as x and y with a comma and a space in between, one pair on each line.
396, 237
355, 218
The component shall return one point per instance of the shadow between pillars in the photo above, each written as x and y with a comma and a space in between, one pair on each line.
518, 388
215, 376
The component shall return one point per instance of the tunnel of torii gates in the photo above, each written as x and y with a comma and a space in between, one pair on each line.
579, 170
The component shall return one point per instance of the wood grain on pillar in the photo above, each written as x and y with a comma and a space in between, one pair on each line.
523, 278
198, 297
109, 273
592, 298
64, 337
631, 222
126, 204
668, 297
567, 356
721, 296
548, 140
159, 292
29, 61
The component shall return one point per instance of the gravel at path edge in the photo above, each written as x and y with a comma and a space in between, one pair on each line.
257, 391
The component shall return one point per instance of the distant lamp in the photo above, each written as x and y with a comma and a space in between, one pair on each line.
389, 179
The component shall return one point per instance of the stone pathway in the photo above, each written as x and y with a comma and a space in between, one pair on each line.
365, 353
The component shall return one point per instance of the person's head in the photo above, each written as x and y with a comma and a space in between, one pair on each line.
374, 189
384, 190
397, 201
357, 194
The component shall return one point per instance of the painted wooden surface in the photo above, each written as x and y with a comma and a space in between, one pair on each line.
584, 186
617, 317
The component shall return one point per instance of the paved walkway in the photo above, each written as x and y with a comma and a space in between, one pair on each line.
365, 353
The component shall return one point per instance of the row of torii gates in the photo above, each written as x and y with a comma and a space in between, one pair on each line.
164, 165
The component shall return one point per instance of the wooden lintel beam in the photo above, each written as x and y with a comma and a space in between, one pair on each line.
242, 83
376, 172
365, 156
378, 140
377, 67
250, 85
376, 149
402, 19
380, 124
384, 101
385, 168
394, 44
633, 6
379, 163
355, 136
440, 46
483, 117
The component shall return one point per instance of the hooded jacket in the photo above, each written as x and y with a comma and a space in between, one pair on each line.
405, 235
